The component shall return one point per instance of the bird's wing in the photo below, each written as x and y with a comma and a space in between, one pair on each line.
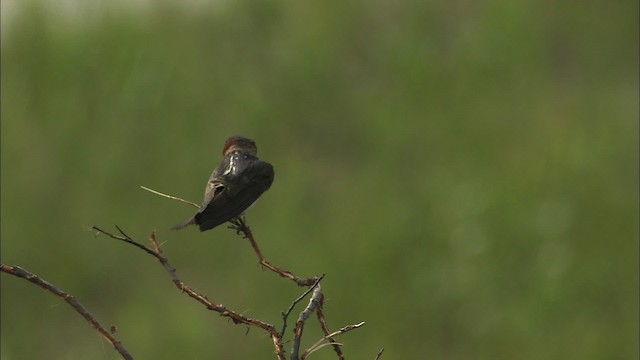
213, 189
228, 203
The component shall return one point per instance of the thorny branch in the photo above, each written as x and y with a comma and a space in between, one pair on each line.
241, 227
71, 300
315, 303
236, 317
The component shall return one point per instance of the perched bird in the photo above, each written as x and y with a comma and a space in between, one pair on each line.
234, 185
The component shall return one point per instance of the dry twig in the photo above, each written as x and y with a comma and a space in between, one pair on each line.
236, 317
315, 303
316, 300
322, 342
71, 300
170, 197
240, 226
325, 329
285, 315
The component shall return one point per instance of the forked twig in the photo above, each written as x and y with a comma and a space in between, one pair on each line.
315, 303
236, 317
239, 224
322, 341
285, 315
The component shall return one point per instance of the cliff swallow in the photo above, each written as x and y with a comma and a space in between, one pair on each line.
234, 185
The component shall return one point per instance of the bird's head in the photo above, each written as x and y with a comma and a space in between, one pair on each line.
240, 143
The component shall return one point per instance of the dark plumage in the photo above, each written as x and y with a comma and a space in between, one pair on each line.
234, 185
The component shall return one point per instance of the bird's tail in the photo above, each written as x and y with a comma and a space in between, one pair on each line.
191, 221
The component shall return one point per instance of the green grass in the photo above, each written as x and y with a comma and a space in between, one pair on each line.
465, 175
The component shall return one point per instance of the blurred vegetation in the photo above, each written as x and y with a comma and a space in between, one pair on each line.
466, 175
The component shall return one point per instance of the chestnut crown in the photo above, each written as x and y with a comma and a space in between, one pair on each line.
240, 143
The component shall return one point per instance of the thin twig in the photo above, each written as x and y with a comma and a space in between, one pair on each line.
240, 226
71, 300
126, 239
316, 299
320, 342
171, 197
379, 354
285, 315
306, 354
325, 330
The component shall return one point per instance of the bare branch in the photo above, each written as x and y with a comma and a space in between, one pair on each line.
322, 341
171, 197
311, 351
126, 239
316, 300
236, 317
285, 315
325, 330
315, 303
240, 226
71, 300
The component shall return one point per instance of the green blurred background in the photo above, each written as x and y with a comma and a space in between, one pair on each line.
465, 173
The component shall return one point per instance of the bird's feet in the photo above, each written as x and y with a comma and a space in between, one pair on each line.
239, 224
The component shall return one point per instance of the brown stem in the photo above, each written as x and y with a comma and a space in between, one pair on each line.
71, 300
240, 226
236, 317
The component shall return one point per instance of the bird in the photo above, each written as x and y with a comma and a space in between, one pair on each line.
234, 185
